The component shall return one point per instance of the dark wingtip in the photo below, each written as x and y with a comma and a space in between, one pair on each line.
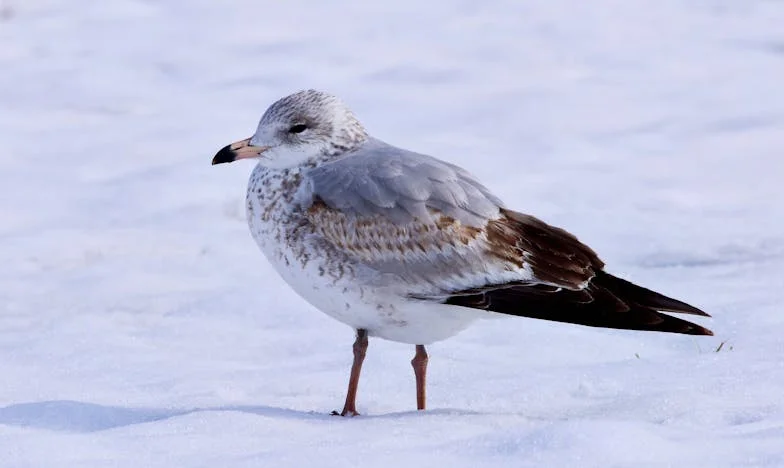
680, 307
645, 296
225, 155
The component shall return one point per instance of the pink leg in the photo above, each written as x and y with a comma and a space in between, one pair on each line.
360, 348
420, 370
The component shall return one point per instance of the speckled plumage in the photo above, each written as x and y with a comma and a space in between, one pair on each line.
349, 274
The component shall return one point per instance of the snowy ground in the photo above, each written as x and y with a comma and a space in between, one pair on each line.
140, 326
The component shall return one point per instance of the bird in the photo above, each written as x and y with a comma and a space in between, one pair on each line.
410, 248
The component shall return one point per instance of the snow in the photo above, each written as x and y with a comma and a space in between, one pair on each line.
140, 325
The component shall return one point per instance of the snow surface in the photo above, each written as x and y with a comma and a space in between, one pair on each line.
140, 326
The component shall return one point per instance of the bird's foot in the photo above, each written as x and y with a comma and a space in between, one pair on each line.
346, 412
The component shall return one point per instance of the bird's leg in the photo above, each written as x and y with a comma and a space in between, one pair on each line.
360, 348
419, 363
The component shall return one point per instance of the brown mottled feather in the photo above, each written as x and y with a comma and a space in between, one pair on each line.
374, 239
554, 255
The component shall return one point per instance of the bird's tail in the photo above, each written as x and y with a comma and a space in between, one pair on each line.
607, 302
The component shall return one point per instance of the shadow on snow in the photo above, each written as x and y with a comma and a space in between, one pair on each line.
75, 416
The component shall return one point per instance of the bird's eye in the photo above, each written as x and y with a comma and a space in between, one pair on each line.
299, 128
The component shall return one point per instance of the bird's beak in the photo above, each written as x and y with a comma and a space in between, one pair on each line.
238, 150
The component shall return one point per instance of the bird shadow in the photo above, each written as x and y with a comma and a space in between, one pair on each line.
80, 417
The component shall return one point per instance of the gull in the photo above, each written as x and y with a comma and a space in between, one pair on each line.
409, 248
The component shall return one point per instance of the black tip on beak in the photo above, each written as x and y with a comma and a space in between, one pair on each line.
225, 155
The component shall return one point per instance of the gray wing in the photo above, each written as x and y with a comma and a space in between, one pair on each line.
381, 180
410, 215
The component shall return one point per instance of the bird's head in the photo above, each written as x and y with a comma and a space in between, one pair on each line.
302, 127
